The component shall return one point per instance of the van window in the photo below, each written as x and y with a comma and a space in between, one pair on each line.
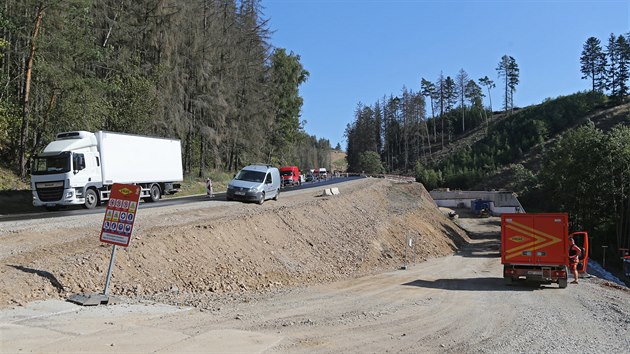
268, 180
250, 176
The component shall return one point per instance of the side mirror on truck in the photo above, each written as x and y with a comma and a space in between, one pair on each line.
78, 162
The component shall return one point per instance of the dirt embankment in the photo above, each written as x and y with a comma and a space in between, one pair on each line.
188, 254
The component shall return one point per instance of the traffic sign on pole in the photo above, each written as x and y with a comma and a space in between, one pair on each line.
120, 214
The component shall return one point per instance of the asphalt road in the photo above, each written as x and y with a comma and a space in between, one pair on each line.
78, 210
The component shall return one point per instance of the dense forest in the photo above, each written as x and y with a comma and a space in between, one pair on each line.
202, 71
584, 171
400, 130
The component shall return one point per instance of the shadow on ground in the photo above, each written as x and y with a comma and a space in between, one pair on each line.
42, 273
477, 284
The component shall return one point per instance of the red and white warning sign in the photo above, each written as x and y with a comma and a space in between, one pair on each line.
120, 214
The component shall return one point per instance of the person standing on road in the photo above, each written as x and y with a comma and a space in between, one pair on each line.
574, 257
209, 192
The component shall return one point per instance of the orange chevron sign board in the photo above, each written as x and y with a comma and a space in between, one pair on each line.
534, 239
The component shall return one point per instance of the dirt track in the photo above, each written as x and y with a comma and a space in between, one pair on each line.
322, 277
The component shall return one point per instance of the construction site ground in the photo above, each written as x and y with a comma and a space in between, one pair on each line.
304, 274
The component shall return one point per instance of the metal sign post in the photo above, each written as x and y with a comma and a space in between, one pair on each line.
109, 271
118, 222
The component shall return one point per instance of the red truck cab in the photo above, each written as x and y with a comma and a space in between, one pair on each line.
536, 247
290, 176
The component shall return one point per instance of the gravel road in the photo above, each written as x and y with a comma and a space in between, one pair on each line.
455, 303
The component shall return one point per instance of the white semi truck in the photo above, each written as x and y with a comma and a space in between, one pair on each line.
80, 167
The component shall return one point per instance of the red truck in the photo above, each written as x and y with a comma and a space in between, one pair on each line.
290, 176
535, 247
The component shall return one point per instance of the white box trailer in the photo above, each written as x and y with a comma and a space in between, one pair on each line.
129, 158
80, 167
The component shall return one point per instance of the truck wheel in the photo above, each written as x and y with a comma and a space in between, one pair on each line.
277, 195
91, 199
562, 283
262, 198
155, 193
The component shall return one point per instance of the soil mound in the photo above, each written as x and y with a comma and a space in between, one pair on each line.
188, 254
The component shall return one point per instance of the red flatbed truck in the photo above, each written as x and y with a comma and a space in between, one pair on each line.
535, 247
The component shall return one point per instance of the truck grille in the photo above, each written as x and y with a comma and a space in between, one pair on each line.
50, 194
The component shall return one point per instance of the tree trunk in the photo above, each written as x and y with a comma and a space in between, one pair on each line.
202, 153
109, 31
38, 131
26, 109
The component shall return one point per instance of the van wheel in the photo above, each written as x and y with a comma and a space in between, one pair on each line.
277, 195
91, 199
562, 283
262, 198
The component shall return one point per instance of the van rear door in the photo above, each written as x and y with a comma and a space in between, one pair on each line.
534, 239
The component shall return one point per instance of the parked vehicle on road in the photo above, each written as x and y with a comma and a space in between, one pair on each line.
323, 174
290, 176
257, 183
80, 167
535, 247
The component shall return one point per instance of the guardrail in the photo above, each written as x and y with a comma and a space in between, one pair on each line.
395, 178
400, 179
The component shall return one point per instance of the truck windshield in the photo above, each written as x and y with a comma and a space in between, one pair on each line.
250, 176
286, 173
47, 165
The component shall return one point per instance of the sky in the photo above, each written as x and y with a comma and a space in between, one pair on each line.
358, 51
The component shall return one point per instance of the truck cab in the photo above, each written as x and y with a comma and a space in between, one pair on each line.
66, 170
290, 176
323, 174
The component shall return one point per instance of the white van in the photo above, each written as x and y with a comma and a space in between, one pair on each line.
255, 183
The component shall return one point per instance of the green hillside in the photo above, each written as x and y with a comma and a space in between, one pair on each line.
570, 154
477, 158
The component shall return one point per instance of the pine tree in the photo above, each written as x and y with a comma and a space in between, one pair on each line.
623, 50
509, 71
612, 72
428, 90
450, 96
489, 84
593, 64
461, 81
